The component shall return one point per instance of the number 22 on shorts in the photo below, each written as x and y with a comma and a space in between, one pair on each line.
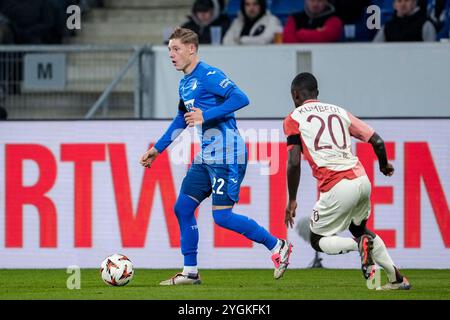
218, 189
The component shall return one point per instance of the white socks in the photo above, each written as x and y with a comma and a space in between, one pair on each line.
189, 270
382, 258
277, 247
337, 245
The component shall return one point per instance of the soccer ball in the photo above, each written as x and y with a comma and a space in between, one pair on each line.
117, 270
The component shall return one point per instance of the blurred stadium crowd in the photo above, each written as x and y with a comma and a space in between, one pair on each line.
38, 21
239, 21
219, 22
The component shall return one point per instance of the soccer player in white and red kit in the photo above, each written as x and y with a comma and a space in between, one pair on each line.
322, 132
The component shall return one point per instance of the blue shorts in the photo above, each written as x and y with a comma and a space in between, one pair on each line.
222, 180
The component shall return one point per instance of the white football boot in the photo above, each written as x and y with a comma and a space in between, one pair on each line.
281, 259
181, 279
404, 285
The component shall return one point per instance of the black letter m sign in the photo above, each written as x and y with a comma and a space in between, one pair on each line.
45, 72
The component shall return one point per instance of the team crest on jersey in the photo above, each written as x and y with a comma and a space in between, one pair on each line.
189, 104
194, 85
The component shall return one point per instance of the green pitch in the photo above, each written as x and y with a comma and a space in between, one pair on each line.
222, 284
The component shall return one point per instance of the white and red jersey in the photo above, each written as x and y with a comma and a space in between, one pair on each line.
325, 132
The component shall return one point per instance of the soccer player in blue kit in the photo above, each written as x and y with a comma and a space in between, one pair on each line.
208, 100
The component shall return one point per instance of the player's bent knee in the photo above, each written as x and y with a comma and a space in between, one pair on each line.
178, 208
358, 231
314, 239
185, 205
221, 217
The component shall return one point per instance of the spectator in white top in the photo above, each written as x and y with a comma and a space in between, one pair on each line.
254, 25
408, 24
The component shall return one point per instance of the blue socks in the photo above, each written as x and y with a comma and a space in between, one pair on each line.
245, 226
185, 212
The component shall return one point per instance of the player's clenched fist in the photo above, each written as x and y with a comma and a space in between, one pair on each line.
193, 118
148, 157
388, 170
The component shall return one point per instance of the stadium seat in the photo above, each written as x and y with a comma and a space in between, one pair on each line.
233, 8
444, 31
386, 15
387, 9
385, 5
362, 33
283, 8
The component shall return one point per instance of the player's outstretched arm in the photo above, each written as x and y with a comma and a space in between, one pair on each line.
380, 150
235, 100
293, 180
173, 131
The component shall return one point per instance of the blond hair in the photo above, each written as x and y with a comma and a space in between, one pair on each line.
186, 36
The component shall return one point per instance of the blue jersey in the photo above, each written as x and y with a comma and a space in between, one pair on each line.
207, 88
220, 166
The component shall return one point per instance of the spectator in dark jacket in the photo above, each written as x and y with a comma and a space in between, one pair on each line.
408, 24
32, 21
6, 35
3, 113
204, 15
317, 23
350, 11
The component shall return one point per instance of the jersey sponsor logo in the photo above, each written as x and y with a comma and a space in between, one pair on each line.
225, 82
189, 104
210, 73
